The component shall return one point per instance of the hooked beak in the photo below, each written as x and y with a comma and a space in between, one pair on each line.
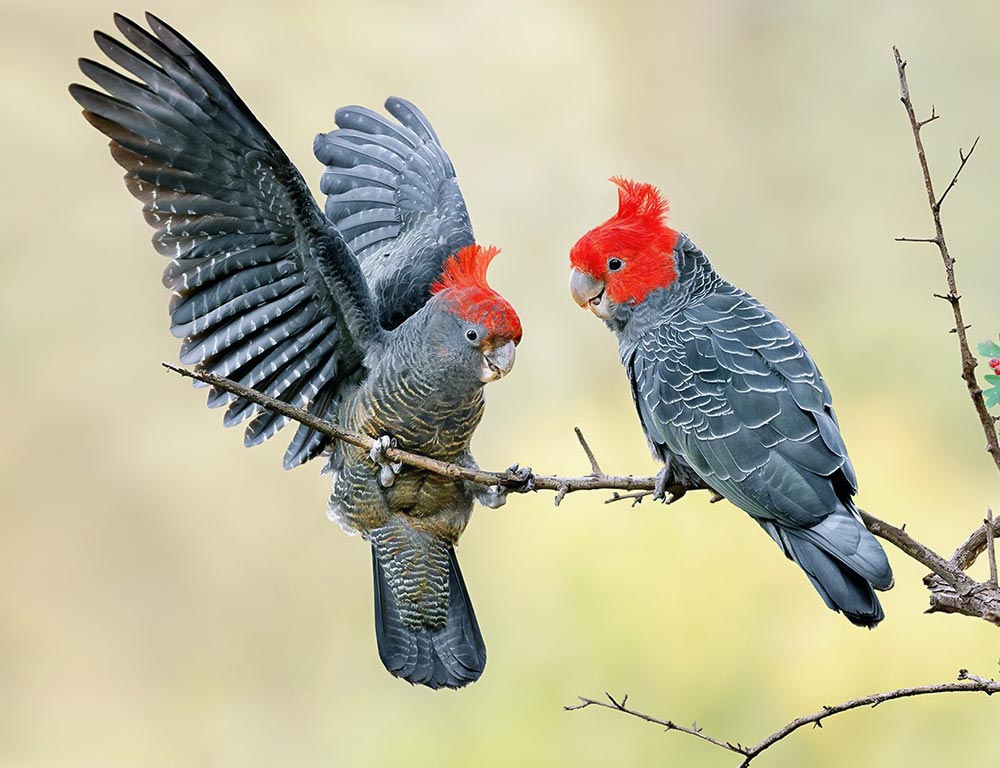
589, 293
497, 362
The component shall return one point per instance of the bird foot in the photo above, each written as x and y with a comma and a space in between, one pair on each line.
660, 486
524, 476
667, 490
494, 497
387, 469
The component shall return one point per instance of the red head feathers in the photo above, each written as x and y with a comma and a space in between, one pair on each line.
463, 286
632, 252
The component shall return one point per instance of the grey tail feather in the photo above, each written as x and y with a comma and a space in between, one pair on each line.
841, 587
448, 657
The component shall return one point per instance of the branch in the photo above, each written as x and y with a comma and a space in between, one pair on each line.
934, 203
962, 160
991, 553
953, 591
562, 485
967, 683
668, 725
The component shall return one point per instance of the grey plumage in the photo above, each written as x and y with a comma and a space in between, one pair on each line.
728, 396
256, 267
275, 294
391, 190
727, 386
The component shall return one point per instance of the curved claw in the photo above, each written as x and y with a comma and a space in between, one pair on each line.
674, 494
387, 469
525, 479
494, 497
660, 487
670, 489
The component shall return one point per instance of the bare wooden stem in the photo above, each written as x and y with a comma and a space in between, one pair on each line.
991, 553
969, 361
953, 591
596, 481
966, 683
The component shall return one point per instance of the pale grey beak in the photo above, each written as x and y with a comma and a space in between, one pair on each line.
497, 362
589, 293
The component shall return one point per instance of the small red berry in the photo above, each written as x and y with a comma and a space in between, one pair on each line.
994, 362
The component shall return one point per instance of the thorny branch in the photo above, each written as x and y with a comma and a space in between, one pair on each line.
967, 683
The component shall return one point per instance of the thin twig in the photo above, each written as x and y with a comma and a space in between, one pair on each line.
668, 725
968, 359
963, 159
595, 468
967, 683
635, 498
991, 554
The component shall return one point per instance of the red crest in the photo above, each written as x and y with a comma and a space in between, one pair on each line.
637, 235
463, 286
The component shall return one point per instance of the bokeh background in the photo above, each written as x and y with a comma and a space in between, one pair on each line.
168, 598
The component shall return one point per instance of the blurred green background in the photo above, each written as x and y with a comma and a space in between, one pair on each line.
171, 599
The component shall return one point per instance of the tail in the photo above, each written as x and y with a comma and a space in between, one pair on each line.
451, 656
843, 561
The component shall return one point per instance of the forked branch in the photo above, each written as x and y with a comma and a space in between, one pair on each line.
966, 683
959, 593
968, 360
507, 479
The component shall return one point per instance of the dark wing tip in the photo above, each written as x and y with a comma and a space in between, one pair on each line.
76, 90
124, 23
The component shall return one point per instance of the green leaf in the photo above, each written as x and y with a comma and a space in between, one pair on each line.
992, 397
993, 379
989, 349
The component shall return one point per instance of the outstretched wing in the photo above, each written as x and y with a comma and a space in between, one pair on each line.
391, 190
731, 389
265, 291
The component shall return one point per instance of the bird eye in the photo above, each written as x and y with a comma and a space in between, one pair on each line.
615, 264
471, 335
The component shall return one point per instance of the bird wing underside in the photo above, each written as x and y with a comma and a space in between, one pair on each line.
729, 388
391, 190
265, 291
